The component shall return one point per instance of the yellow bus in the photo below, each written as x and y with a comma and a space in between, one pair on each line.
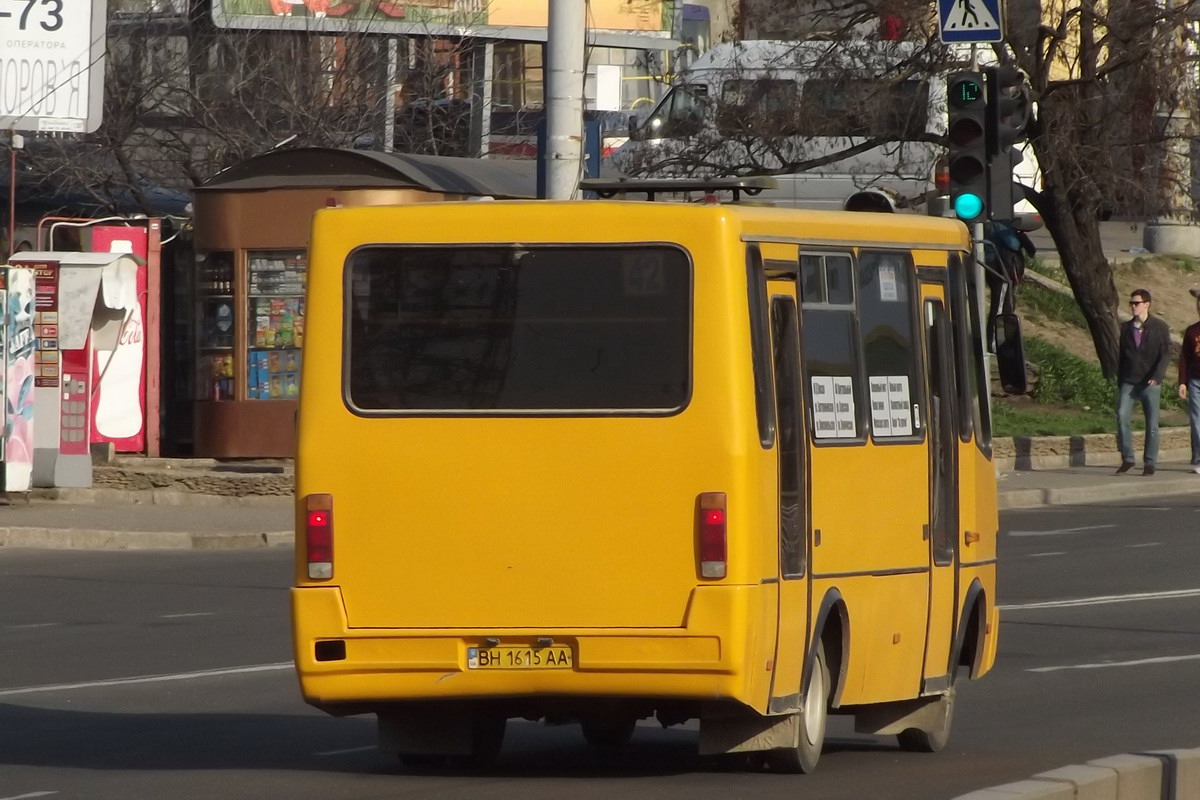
603, 461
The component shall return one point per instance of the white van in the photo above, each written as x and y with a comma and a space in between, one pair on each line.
859, 114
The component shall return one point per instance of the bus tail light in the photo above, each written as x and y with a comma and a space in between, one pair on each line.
318, 536
712, 536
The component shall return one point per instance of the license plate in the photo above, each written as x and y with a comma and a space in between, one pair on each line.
519, 657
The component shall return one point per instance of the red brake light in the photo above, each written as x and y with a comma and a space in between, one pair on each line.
318, 536
712, 535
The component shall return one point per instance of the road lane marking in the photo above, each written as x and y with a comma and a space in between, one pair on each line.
27, 627
178, 676
180, 616
1060, 531
348, 750
1044, 555
1146, 544
27, 795
1106, 664
1104, 600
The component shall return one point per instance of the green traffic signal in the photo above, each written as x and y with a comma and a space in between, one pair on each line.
968, 207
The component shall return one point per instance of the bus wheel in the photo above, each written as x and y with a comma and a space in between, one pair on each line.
810, 728
608, 732
915, 740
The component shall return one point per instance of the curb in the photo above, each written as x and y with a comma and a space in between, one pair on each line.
1079, 495
1022, 453
1151, 775
161, 497
93, 539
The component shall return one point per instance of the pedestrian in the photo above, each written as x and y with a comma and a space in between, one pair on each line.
1189, 380
1144, 348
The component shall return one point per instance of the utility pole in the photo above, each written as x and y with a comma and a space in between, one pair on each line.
566, 30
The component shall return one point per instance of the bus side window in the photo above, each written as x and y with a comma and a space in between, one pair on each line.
982, 409
764, 404
831, 352
964, 374
793, 526
888, 316
758, 107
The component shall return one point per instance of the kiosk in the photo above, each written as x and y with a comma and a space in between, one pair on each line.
251, 232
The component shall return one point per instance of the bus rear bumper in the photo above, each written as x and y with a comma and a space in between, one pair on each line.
704, 660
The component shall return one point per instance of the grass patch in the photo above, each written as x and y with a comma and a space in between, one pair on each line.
1052, 270
1184, 264
1049, 304
1064, 378
1011, 420
1072, 398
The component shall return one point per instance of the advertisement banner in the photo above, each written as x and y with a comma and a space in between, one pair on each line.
45, 318
52, 65
118, 373
616, 23
19, 370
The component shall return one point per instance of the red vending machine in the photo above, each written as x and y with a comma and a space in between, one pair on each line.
118, 352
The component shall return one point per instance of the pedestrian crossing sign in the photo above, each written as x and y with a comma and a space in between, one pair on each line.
964, 21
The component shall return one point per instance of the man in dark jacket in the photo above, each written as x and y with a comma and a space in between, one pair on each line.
1145, 350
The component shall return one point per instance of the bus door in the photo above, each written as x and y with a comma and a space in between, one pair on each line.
793, 524
943, 481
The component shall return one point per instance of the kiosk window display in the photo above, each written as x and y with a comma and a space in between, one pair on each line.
249, 333
273, 322
275, 329
215, 337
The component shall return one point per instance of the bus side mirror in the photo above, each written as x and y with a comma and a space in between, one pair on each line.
633, 127
1010, 354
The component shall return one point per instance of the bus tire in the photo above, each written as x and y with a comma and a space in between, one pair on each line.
607, 732
915, 740
802, 757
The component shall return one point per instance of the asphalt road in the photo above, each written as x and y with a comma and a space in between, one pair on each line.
166, 675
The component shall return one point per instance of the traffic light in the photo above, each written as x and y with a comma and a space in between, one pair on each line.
968, 145
1009, 106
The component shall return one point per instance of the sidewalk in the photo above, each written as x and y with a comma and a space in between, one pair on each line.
180, 505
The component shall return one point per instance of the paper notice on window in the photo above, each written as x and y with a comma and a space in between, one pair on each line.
881, 419
833, 408
891, 406
889, 292
843, 396
824, 408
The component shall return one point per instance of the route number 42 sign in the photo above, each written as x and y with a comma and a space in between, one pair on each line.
51, 65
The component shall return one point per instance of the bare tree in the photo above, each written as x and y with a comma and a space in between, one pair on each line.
1113, 84
184, 99
1108, 78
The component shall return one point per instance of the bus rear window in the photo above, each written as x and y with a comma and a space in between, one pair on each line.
515, 329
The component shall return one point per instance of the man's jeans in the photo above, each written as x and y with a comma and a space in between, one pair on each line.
1148, 396
1193, 398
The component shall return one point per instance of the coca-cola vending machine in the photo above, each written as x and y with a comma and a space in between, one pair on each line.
118, 354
